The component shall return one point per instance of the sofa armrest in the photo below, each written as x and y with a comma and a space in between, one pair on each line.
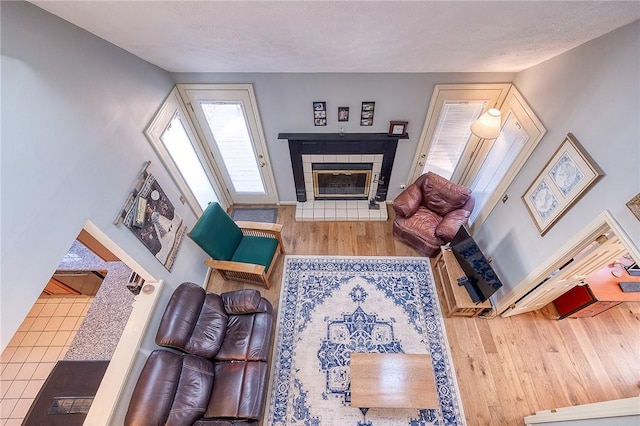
408, 202
451, 223
246, 301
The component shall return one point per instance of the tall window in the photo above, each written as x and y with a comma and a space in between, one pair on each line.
502, 155
499, 161
170, 134
177, 142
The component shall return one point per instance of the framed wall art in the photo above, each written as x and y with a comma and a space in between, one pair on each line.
343, 113
398, 128
320, 113
634, 206
366, 116
564, 179
151, 217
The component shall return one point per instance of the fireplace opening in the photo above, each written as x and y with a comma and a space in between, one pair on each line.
341, 181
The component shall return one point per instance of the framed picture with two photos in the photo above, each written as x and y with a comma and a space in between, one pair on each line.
566, 177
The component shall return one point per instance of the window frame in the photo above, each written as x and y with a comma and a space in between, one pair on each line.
493, 93
514, 104
171, 106
503, 96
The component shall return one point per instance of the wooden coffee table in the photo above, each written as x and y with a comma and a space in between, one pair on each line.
392, 381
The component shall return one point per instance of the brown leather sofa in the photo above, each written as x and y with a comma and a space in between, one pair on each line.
216, 372
430, 211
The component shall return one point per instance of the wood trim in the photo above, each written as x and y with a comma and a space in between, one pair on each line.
97, 247
597, 410
602, 224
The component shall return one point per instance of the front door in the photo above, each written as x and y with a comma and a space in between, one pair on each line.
226, 116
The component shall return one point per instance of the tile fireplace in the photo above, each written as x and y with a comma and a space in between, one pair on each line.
336, 175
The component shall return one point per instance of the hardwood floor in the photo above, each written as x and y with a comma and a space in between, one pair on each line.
507, 368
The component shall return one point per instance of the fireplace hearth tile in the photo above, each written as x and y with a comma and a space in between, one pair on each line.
339, 210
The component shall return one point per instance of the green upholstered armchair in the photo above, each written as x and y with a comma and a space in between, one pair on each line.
243, 251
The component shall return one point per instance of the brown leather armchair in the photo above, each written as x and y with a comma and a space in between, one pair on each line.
430, 211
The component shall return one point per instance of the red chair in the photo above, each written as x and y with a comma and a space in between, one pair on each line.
430, 211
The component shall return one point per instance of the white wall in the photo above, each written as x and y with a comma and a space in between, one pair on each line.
73, 111
285, 104
592, 91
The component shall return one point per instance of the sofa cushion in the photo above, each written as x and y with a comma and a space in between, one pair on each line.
256, 250
194, 321
172, 389
238, 391
248, 337
441, 195
241, 301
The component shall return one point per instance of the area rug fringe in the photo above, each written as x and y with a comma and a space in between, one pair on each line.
309, 381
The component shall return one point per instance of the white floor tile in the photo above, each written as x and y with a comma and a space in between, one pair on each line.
16, 389
7, 406
341, 214
22, 408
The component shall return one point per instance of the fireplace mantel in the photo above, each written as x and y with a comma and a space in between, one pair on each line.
341, 144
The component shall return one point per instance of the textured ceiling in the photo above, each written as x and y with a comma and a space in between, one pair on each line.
346, 36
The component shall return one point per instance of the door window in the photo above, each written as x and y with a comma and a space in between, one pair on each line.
446, 144
451, 136
226, 117
231, 135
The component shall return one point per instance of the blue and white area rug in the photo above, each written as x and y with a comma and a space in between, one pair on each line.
332, 306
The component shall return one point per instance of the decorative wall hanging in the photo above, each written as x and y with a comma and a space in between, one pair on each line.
398, 128
343, 113
564, 179
320, 113
366, 116
151, 217
634, 206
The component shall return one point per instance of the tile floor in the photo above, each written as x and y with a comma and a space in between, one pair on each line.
42, 340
